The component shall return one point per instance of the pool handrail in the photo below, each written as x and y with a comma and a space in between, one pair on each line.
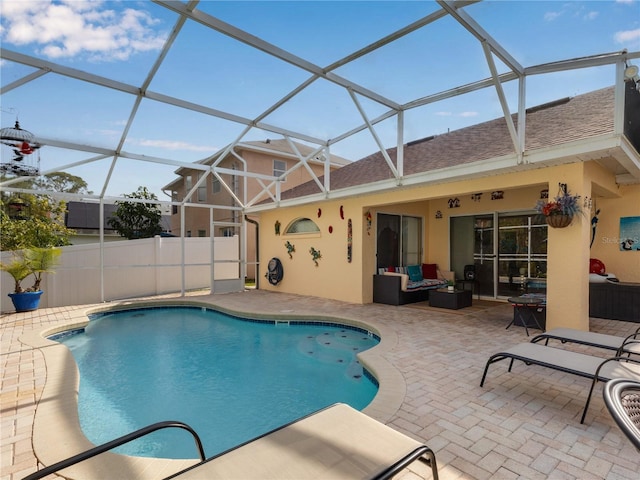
92, 452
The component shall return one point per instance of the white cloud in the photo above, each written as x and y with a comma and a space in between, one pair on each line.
172, 145
71, 28
551, 16
461, 114
627, 36
591, 15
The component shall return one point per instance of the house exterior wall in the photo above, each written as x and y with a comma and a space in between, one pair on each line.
568, 248
197, 219
606, 244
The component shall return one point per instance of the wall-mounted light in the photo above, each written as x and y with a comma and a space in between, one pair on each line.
631, 73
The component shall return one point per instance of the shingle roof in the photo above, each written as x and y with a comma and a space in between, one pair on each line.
281, 145
548, 125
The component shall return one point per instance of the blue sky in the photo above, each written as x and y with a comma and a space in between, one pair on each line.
122, 39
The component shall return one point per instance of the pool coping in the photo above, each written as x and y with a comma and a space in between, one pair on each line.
57, 408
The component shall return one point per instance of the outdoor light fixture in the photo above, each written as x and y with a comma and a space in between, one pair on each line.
631, 73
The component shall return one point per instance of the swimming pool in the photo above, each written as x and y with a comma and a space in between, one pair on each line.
229, 379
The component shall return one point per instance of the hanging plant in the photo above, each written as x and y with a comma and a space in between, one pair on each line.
560, 211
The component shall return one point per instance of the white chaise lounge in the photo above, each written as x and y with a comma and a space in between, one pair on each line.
595, 368
338, 442
622, 345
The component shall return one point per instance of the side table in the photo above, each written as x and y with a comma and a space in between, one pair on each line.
524, 312
455, 300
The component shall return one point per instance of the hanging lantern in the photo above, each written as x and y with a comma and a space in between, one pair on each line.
23, 145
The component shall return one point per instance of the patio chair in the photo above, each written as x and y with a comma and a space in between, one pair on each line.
629, 345
622, 398
597, 369
336, 442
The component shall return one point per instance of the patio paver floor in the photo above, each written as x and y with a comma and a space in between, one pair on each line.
523, 424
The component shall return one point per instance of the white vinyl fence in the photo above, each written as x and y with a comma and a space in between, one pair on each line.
135, 268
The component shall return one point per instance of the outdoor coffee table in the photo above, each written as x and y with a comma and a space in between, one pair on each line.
452, 300
524, 311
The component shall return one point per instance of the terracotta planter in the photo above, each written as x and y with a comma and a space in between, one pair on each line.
559, 221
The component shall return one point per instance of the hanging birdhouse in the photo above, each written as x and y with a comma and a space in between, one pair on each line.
24, 157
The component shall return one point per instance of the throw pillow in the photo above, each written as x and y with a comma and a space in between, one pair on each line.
429, 270
415, 273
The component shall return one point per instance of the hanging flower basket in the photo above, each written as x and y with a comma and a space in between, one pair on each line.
559, 213
559, 221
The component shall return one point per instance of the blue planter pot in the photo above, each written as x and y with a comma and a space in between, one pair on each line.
26, 301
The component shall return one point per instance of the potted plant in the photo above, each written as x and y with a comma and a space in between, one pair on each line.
32, 261
451, 285
559, 213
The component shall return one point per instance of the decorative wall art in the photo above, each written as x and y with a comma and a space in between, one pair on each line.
497, 195
315, 255
277, 227
349, 240
319, 212
341, 212
476, 197
330, 229
544, 194
630, 234
290, 248
454, 202
438, 214
368, 218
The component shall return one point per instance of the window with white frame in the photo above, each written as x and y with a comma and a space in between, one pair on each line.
279, 168
202, 189
215, 185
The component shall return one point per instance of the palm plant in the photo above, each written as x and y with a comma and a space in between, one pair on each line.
31, 261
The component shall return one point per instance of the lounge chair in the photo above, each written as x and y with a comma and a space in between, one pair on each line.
595, 368
622, 398
338, 442
622, 345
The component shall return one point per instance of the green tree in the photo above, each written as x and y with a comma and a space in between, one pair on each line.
62, 182
137, 219
42, 225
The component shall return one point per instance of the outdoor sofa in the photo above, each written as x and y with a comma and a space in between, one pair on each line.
615, 300
401, 285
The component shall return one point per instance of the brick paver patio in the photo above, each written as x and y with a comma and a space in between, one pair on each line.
523, 424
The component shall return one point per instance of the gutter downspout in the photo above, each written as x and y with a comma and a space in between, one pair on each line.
247, 219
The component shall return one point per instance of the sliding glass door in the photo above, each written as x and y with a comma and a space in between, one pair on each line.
509, 259
399, 240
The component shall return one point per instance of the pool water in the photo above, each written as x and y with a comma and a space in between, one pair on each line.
231, 380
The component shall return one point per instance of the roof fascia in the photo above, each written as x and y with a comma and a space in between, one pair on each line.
603, 145
629, 158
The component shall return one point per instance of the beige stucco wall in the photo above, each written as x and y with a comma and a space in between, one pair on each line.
568, 251
606, 245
